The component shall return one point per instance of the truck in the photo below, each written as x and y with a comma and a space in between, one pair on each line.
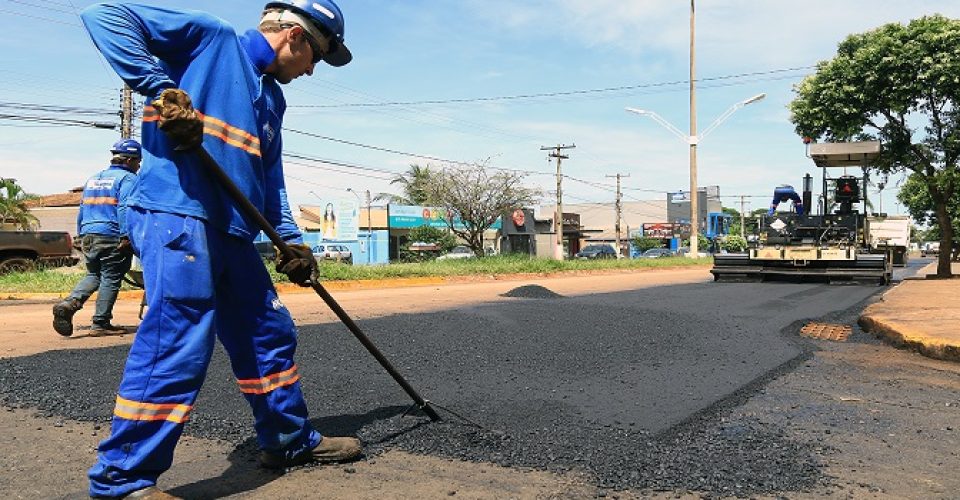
889, 235
26, 250
833, 244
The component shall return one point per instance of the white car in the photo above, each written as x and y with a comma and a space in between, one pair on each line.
339, 253
458, 252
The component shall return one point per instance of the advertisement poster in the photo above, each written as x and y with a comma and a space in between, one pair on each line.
338, 220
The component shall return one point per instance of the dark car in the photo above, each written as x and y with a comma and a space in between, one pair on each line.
656, 253
266, 249
597, 252
25, 250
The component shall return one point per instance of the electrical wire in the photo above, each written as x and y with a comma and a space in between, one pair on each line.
552, 94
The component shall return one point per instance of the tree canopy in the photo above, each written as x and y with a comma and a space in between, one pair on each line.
13, 208
898, 84
414, 184
478, 195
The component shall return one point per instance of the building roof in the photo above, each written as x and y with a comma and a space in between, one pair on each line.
68, 199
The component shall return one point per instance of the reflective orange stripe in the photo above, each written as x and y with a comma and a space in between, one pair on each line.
134, 410
100, 200
220, 129
269, 383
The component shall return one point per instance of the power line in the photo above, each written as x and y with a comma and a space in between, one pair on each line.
67, 122
550, 94
405, 153
45, 8
39, 17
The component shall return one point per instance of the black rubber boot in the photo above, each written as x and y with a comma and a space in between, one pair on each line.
63, 316
331, 450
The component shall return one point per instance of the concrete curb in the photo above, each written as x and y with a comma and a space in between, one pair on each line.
905, 337
919, 315
287, 288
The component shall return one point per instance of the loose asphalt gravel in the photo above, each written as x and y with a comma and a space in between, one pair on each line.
629, 388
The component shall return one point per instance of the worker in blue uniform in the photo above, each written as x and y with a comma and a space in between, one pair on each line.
101, 225
783, 194
206, 84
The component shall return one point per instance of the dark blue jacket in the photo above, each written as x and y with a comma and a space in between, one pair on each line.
152, 49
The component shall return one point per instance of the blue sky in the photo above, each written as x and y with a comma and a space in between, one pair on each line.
412, 51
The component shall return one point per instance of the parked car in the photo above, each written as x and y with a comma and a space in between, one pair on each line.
266, 249
339, 253
685, 252
656, 253
25, 250
458, 252
597, 252
930, 249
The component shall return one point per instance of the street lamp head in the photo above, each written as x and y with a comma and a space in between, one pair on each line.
754, 99
637, 111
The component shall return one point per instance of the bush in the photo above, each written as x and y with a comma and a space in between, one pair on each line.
734, 243
426, 234
643, 243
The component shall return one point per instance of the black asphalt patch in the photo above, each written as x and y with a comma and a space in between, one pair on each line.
532, 292
626, 387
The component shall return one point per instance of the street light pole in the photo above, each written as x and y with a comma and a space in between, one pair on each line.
360, 204
693, 140
369, 229
694, 192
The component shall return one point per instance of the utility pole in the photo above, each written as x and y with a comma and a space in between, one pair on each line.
619, 208
694, 192
126, 113
743, 227
558, 217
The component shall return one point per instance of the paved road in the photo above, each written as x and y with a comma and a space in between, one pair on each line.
599, 382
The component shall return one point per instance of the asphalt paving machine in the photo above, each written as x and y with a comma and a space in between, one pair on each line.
830, 245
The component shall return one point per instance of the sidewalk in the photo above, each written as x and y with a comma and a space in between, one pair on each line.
919, 314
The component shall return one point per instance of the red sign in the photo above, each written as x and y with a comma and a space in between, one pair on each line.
518, 218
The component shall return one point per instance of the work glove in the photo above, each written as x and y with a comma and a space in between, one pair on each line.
178, 119
124, 247
302, 269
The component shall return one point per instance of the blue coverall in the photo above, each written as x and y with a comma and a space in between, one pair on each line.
202, 274
100, 225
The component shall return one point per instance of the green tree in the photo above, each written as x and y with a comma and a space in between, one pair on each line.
13, 208
415, 184
644, 243
897, 84
428, 234
479, 196
915, 196
734, 219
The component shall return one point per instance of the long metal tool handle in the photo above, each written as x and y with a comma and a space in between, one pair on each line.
253, 214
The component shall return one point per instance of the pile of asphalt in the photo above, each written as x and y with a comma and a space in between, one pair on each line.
529, 386
532, 292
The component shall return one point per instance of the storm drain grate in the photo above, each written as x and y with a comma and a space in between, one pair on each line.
826, 331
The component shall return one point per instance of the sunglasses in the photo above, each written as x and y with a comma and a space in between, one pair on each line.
317, 51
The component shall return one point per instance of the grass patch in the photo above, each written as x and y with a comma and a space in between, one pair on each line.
62, 281
496, 265
43, 281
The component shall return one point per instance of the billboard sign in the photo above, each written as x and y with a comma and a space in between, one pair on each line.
411, 216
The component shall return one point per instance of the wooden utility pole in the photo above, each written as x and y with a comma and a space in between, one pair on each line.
743, 227
619, 208
558, 217
126, 113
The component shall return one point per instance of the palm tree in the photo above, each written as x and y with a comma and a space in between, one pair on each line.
13, 209
415, 185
